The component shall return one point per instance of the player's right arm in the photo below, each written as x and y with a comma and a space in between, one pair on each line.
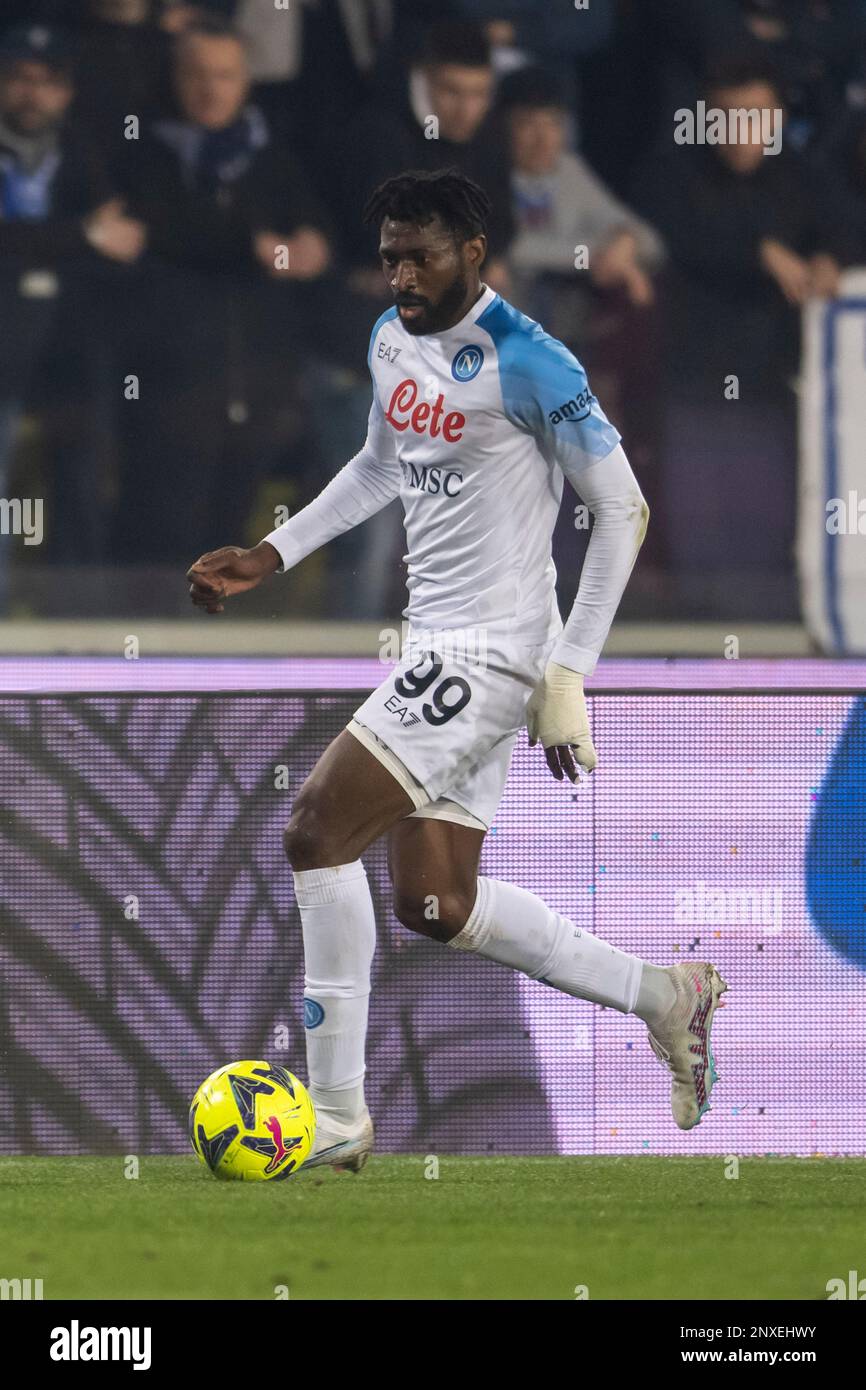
366, 484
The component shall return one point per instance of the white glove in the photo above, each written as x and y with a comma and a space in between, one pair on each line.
557, 718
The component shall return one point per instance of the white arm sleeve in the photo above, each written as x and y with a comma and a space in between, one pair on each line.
611, 492
363, 486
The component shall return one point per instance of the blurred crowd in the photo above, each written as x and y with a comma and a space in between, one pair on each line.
187, 287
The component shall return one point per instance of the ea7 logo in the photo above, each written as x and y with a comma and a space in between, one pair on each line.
394, 706
856, 1288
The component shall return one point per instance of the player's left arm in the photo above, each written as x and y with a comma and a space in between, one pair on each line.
574, 434
557, 716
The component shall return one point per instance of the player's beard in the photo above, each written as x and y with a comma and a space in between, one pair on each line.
437, 317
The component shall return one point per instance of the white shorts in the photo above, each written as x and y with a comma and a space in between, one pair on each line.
446, 724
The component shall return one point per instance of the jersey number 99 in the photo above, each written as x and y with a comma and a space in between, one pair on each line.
416, 681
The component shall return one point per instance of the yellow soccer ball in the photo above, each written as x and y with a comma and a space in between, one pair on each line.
253, 1121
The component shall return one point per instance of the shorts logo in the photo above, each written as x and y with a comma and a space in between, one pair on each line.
468, 363
314, 1014
394, 705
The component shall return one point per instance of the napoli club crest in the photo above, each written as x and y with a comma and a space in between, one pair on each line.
314, 1014
467, 363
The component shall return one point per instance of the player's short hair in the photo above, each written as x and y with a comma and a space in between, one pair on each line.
456, 41
419, 195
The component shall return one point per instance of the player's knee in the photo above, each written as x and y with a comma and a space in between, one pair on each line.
299, 841
306, 838
438, 915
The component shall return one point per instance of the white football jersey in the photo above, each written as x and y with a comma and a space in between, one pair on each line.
474, 428
478, 425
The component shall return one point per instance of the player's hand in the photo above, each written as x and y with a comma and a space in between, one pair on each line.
221, 573
557, 718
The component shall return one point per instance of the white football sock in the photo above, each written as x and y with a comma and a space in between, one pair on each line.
657, 994
339, 940
516, 928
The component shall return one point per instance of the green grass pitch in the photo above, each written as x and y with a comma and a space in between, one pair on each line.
486, 1228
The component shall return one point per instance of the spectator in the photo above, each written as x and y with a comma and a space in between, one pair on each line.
235, 238
57, 223
447, 119
123, 71
751, 236
560, 206
307, 59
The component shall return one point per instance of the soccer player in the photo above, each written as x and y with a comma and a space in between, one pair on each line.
477, 414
